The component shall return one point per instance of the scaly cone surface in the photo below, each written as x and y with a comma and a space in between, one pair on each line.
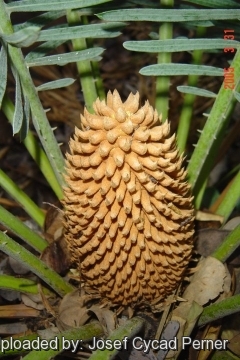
128, 209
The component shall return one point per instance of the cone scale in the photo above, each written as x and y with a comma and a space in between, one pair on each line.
128, 208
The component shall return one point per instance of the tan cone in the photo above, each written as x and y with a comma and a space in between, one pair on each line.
129, 215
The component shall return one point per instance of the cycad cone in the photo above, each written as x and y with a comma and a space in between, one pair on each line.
129, 217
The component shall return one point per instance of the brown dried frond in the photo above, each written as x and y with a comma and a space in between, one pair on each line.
129, 215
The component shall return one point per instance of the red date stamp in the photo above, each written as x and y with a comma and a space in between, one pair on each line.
228, 73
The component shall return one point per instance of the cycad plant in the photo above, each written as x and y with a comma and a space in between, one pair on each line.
37, 41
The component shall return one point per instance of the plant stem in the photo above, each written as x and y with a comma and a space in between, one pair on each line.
198, 198
35, 151
228, 199
18, 284
20, 229
40, 120
30, 337
38, 267
22, 285
22, 198
187, 108
88, 83
83, 333
203, 156
163, 83
224, 355
129, 329
98, 80
219, 310
228, 246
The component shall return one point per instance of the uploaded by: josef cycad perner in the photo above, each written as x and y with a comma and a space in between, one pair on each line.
137, 343
141, 344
